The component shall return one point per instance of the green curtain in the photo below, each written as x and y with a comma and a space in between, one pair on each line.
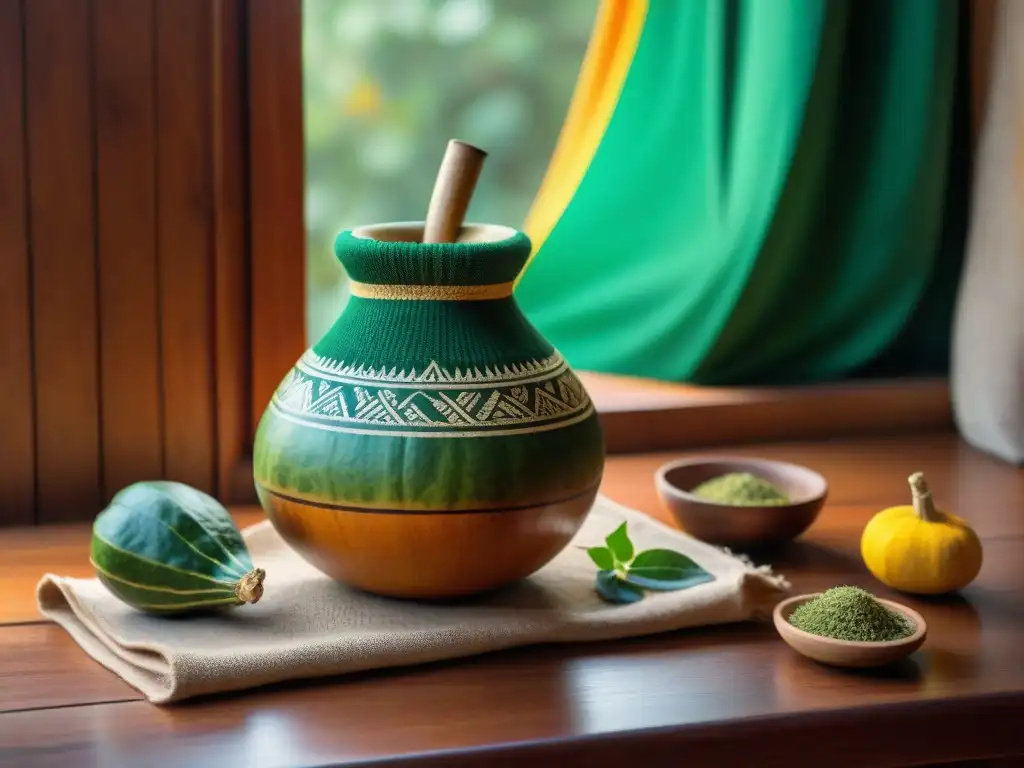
777, 197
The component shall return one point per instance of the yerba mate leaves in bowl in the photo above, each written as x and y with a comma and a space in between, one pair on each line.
851, 613
846, 626
741, 489
624, 574
741, 501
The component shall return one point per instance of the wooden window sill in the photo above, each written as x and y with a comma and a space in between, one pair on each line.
646, 415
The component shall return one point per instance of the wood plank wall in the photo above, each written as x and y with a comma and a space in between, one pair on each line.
17, 437
123, 279
278, 188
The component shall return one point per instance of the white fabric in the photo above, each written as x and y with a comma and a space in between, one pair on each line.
987, 376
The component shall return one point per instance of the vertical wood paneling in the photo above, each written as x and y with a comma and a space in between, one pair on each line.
17, 438
277, 193
125, 294
132, 437
185, 238
230, 271
61, 182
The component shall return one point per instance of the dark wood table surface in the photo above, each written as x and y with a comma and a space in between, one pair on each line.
722, 696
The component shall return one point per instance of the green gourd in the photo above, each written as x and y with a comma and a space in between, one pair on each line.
164, 547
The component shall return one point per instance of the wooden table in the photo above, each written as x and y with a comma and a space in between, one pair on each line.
723, 696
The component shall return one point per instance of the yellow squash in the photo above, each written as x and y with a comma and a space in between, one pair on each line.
921, 549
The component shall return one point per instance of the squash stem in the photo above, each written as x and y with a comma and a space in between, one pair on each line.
249, 588
923, 504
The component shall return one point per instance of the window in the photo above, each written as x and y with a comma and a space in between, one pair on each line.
388, 82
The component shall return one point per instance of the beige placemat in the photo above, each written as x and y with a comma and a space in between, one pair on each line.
307, 625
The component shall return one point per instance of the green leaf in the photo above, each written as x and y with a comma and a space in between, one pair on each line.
614, 590
602, 557
620, 545
665, 570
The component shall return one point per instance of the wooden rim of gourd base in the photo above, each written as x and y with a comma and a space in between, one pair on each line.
920, 625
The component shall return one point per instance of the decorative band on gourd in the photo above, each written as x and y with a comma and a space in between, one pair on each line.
433, 402
431, 292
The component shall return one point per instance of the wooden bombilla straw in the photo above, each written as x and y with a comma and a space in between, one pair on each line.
453, 189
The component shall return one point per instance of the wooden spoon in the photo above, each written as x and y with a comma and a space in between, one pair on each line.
453, 190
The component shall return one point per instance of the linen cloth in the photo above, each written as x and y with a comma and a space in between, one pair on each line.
307, 625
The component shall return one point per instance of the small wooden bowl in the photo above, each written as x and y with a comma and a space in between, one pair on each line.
727, 524
847, 653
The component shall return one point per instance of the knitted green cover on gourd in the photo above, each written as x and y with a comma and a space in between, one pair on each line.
411, 404
413, 334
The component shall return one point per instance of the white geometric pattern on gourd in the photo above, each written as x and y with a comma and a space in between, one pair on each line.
432, 373
302, 393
